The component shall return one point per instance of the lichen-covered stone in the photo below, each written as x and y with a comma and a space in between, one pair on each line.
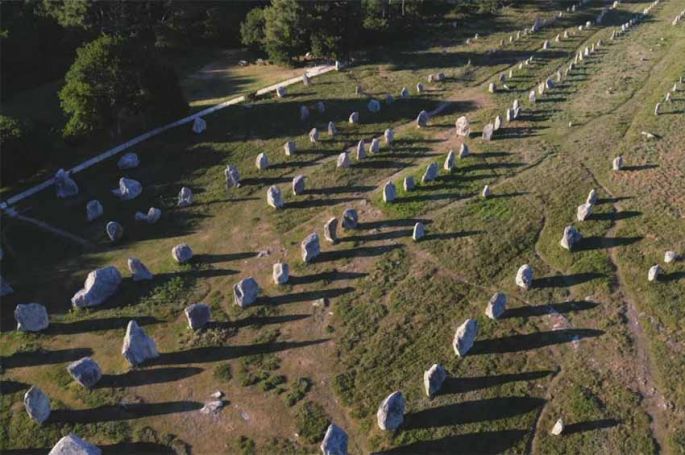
37, 404
464, 337
185, 197
182, 253
128, 189
570, 237
334, 441
390, 414
245, 292
273, 197
73, 445
497, 305
524, 277
85, 371
100, 285
433, 379
583, 212
138, 270
310, 247
198, 315
137, 346
463, 126
31, 317
343, 161
330, 230
280, 273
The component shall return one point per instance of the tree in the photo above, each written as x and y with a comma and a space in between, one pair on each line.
252, 29
284, 36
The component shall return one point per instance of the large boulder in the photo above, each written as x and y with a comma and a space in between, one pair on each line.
463, 127
310, 247
151, 217
350, 219
390, 414
100, 285
430, 174
280, 273
245, 292
389, 192
465, 336
137, 346
85, 371
330, 230
524, 277
273, 197
185, 197
198, 315
37, 404
65, 186
73, 445
114, 230
334, 441
128, 189
433, 379
182, 253
496, 306
94, 210
129, 160
570, 237
31, 317
138, 270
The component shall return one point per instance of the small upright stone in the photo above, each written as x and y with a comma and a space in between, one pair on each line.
310, 247
532, 97
390, 413
182, 253
138, 270
85, 371
486, 192
491, 87
114, 230
591, 197
281, 91
583, 212
314, 135
669, 257
449, 161
199, 125
289, 148
273, 197
373, 106
73, 445
404, 93
128, 161
419, 88
37, 404
498, 123
433, 379
330, 230
128, 189
361, 150
198, 315
488, 131
570, 238
497, 305
31, 317
350, 219
657, 109
558, 428
94, 210
332, 130
430, 174
464, 151
408, 183
232, 176
343, 161
137, 346
464, 337
185, 197
358, 90
151, 217
463, 126
418, 232
245, 292
262, 161
654, 272
524, 277
389, 136
334, 441
389, 192
304, 113
354, 118
617, 164
298, 185
422, 119
280, 273
65, 186
375, 146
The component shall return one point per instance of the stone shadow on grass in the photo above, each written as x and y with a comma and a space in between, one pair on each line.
598, 243
469, 384
614, 216
529, 341
97, 325
484, 442
135, 378
44, 357
560, 281
542, 310
369, 251
590, 426
121, 412
329, 276
304, 296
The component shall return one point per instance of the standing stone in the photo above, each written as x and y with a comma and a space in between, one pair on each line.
669, 257
138, 270
390, 413
404, 93
343, 160
330, 230
418, 232
389, 99
85, 371
497, 305
617, 164
185, 197
94, 210
358, 90
491, 87
151, 217
361, 151
419, 88
245, 292
232, 176
449, 161
128, 161
306, 80
571, 237
314, 135
657, 108
289, 148
332, 130
531, 97
373, 106
464, 151
524, 277
433, 379
389, 192
281, 91
298, 185
65, 186
262, 161
422, 119
515, 105
114, 230
545, 45
558, 428
73, 445
488, 131
334, 441
199, 125
408, 183
463, 127
375, 146
591, 197
430, 174
502, 77
198, 315
667, 98
354, 118
100, 285
465, 336
583, 211
304, 113
37, 404
280, 273
510, 115
654, 272
310, 247
128, 189
350, 219
182, 253
137, 346
498, 123
389, 136
31, 317
486, 192
541, 88
273, 197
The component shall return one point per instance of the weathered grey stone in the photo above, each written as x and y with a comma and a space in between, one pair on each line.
199, 125
657, 109
375, 146
422, 119
558, 428
281, 91
273, 197
310, 247
502, 77
280, 273
430, 174
31, 317
354, 118
433, 379
298, 185
358, 90
350, 219
128, 189
570, 237
374, 106
498, 123
390, 413
404, 93
583, 212
486, 191
73, 445
94, 210
463, 126
85, 371
464, 337
151, 217
389, 192
361, 150
262, 161
545, 45
654, 272
549, 83
591, 197
138, 270
306, 80
114, 230
497, 305
669, 257
464, 151
524, 277
449, 161
408, 183
541, 88
419, 88
37, 404
418, 232
332, 130
531, 97
128, 161
389, 99
304, 113
232, 176
185, 197
314, 135
182, 253
137, 346
245, 292
343, 160
334, 441
330, 230
65, 186
492, 87
509, 115
389, 136
289, 148
488, 131
198, 315
100, 285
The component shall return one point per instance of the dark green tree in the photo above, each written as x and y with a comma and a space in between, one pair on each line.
252, 30
284, 31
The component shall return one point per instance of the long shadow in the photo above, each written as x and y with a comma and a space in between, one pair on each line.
437, 196
640, 167
368, 251
135, 378
258, 181
488, 166
526, 342
472, 411
44, 357
614, 216
137, 448
305, 296
393, 223
542, 310
340, 189
258, 321
10, 387
333, 275
390, 235
116, 413
483, 442
590, 426
508, 195
560, 281
96, 325
450, 235
212, 258
675, 276
463, 385
596, 243
612, 200
379, 164
317, 203
219, 353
